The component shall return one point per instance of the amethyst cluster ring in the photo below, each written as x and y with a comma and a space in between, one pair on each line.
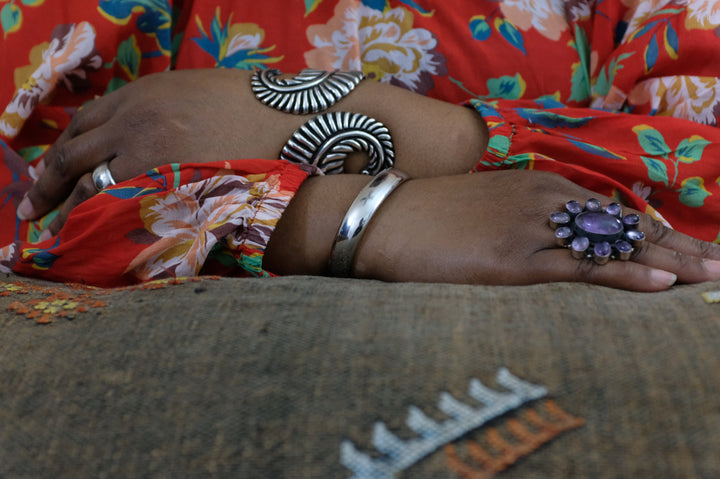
597, 232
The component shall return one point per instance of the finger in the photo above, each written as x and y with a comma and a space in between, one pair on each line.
687, 267
89, 117
558, 265
64, 165
83, 191
656, 232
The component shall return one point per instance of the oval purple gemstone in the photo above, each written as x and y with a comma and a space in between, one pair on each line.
573, 207
563, 232
560, 218
623, 247
602, 249
580, 244
599, 223
631, 220
594, 205
635, 236
614, 209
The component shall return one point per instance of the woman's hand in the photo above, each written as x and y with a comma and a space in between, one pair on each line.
187, 116
211, 115
482, 228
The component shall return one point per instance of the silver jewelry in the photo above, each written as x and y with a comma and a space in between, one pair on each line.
101, 176
596, 232
311, 91
326, 140
357, 218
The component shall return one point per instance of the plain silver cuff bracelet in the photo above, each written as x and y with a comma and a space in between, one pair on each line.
326, 140
311, 91
357, 218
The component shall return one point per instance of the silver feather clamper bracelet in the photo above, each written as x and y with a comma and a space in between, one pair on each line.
311, 91
325, 140
357, 218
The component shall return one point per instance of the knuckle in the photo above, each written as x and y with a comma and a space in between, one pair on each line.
706, 249
657, 230
585, 270
57, 224
59, 161
76, 126
640, 251
684, 261
40, 197
84, 190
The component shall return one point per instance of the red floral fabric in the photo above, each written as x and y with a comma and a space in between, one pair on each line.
540, 72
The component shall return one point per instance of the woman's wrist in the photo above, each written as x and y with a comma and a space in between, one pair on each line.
303, 238
420, 232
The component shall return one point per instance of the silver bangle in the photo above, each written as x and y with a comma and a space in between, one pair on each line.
357, 218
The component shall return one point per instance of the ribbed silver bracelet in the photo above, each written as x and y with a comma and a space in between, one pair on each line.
357, 218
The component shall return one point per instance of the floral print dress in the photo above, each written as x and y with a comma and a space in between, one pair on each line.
620, 96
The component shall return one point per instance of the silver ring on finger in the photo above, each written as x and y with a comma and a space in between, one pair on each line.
596, 232
101, 176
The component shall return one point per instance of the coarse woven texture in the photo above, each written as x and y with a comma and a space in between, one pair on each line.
265, 378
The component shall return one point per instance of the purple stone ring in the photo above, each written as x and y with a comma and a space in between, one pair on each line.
592, 231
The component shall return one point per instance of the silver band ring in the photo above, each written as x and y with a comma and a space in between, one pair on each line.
101, 176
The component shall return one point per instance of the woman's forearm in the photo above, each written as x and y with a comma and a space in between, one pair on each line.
430, 137
467, 229
213, 115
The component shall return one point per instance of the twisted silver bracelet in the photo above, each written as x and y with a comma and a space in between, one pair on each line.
357, 218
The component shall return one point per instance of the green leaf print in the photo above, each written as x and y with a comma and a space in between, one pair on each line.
114, 84
507, 87
580, 89
657, 170
31, 153
691, 149
128, 57
480, 28
511, 34
605, 80
311, 5
652, 141
693, 192
10, 18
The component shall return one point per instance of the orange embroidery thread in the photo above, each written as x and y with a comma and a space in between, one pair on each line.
525, 436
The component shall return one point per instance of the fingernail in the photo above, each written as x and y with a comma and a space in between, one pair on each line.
713, 267
38, 170
25, 210
663, 278
45, 235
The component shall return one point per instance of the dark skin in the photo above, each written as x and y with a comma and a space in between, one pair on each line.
443, 225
